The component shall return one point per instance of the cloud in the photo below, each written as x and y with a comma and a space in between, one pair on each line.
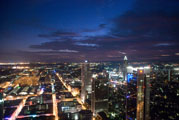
149, 26
149, 30
86, 44
102, 26
153, 20
122, 52
65, 46
68, 51
54, 51
59, 35
163, 44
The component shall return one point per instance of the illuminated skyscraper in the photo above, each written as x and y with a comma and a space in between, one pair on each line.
125, 58
125, 64
125, 68
143, 94
140, 95
86, 81
100, 91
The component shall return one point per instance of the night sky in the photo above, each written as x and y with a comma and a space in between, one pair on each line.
96, 30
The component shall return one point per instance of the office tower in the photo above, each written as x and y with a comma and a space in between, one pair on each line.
131, 101
143, 94
86, 81
100, 91
125, 64
138, 93
147, 97
1, 104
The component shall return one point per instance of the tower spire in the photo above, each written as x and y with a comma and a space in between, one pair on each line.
125, 57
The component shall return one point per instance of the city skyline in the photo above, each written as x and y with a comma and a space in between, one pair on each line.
96, 30
114, 91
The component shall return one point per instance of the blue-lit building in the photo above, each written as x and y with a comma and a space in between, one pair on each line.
131, 96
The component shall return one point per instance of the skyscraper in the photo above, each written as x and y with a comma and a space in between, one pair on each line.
125, 64
143, 94
100, 91
1, 104
140, 95
131, 100
86, 81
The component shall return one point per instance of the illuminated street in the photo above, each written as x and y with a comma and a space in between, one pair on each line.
55, 105
55, 110
68, 87
18, 110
